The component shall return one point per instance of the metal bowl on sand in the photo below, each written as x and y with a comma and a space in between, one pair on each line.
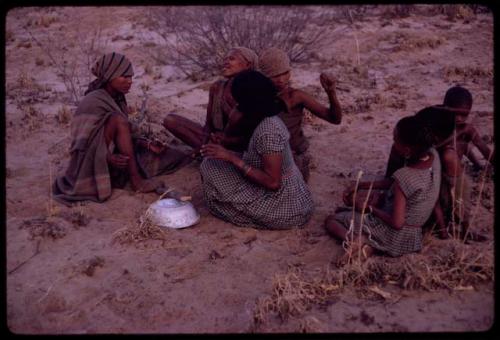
172, 213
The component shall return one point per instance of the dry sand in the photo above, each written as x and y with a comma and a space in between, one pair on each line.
66, 275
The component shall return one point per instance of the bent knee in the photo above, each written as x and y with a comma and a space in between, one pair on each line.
170, 121
117, 119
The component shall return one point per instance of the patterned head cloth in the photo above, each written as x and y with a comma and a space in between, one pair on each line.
248, 55
273, 62
109, 67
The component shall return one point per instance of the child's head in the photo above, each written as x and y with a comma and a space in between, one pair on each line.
275, 64
460, 99
411, 138
439, 120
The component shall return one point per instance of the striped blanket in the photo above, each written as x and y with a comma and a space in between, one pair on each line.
88, 176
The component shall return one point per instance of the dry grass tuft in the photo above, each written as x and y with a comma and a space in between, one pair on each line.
143, 231
31, 118
293, 294
63, 116
449, 265
39, 228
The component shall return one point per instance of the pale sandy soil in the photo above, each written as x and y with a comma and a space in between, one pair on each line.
210, 277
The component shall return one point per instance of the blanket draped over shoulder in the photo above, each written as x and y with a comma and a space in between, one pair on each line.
88, 176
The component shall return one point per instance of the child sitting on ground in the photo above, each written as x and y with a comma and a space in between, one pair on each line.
275, 64
394, 224
460, 99
455, 188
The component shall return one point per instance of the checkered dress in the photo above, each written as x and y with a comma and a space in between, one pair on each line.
234, 198
421, 189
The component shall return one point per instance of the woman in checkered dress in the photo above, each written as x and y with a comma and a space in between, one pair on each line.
395, 225
263, 188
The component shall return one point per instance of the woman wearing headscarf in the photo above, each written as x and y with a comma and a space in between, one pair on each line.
103, 152
275, 64
221, 119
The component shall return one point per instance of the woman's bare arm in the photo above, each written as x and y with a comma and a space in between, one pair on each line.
333, 113
397, 218
269, 176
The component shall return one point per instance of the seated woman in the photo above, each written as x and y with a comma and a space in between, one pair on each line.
264, 188
275, 64
220, 109
395, 226
103, 152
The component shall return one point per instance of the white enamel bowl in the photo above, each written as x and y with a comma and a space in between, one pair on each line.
172, 213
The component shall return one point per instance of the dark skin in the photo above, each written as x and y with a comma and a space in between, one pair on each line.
395, 219
468, 137
195, 135
298, 100
270, 174
452, 167
117, 129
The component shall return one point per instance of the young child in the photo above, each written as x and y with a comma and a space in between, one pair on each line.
275, 64
395, 226
455, 190
460, 99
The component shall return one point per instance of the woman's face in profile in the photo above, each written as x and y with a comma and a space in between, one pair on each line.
233, 64
122, 84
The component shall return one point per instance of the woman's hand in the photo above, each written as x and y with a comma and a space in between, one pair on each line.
327, 81
347, 197
216, 151
117, 160
217, 138
156, 147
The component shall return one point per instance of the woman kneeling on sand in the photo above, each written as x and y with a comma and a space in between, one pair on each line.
104, 153
221, 113
264, 188
393, 225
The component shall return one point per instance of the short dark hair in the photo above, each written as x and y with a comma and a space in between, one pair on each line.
438, 120
458, 97
413, 133
257, 98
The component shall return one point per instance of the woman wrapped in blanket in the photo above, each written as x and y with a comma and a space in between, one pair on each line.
104, 153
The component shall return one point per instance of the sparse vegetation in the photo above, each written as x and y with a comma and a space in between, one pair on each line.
73, 60
195, 39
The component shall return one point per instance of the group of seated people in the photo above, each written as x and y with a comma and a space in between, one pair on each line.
255, 157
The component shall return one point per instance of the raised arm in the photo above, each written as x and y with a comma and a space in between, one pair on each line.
333, 113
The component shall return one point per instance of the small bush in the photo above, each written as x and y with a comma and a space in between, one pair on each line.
196, 39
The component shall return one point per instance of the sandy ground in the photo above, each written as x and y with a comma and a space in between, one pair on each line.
66, 275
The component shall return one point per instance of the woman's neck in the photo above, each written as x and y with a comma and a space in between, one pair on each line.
421, 162
111, 91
